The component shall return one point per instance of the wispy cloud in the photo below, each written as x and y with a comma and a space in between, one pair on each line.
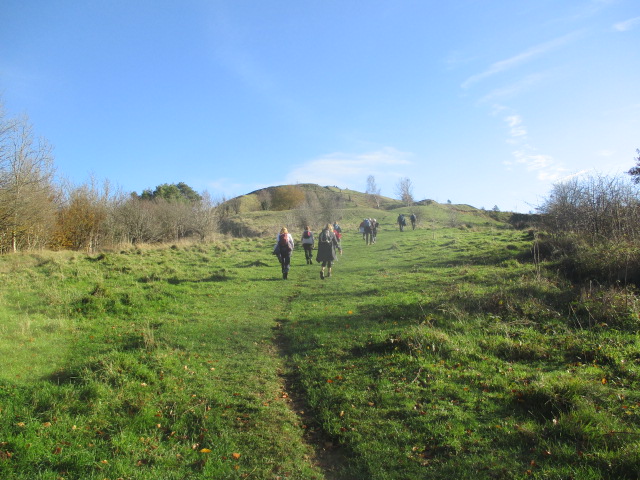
515, 125
510, 91
627, 24
519, 59
344, 169
545, 167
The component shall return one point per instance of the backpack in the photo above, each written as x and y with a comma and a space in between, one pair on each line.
283, 243
306, 234
367, 223
325, 237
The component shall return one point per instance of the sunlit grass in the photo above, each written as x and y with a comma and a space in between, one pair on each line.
435, 353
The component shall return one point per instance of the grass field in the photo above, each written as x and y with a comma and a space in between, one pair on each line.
435, 353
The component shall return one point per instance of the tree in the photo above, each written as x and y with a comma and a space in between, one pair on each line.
287, 197
635, 171
264, 197
174, 191
596, 208
404, 191
373, 191
204, 221
81, 219
27, 193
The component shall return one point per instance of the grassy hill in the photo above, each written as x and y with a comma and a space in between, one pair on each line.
246, 217
436, 353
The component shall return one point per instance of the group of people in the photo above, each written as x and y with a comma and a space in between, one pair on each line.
402, 221
328, 243
369, 230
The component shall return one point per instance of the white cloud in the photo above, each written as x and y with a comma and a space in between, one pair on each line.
351, 170
516, 127
516, 60
544, 166
514, 89
627, 24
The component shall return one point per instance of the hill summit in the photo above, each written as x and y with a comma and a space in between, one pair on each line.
265, 210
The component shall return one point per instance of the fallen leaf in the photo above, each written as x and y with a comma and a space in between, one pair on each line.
235, 455
205, 450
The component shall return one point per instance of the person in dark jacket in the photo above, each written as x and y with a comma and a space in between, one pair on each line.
307, 244
327, 244
283, 249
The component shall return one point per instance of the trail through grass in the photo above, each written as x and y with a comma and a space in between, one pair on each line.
435, 353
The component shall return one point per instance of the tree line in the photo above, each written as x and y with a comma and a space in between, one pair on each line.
596, 207
39, 211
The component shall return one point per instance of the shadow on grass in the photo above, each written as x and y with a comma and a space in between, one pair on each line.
216, 277
336, 461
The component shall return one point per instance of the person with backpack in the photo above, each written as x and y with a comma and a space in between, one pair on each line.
367, 231
307, 244
327, 244
284, 247
401, 222
414, 219
337, 232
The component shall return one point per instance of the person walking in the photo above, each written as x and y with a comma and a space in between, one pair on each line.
401, 222
338, 233
283, 249
367, 231
413, 219
327, 244
307, 244
374, 230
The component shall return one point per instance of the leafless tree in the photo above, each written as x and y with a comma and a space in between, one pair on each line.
264, 197
373, 191
404, 191
203, 217
27, 193
235, 204
596, 207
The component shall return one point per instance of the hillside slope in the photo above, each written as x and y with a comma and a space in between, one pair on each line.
252, 215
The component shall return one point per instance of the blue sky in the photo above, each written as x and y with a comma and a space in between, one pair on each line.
482, 102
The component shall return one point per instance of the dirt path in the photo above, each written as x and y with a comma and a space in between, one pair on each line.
330, 458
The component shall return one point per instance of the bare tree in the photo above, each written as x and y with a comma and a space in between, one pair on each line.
404, 191
264, 197
82, 218
27, 193
203, 221
596, 207
373, 191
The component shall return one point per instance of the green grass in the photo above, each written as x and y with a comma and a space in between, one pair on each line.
435, 353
